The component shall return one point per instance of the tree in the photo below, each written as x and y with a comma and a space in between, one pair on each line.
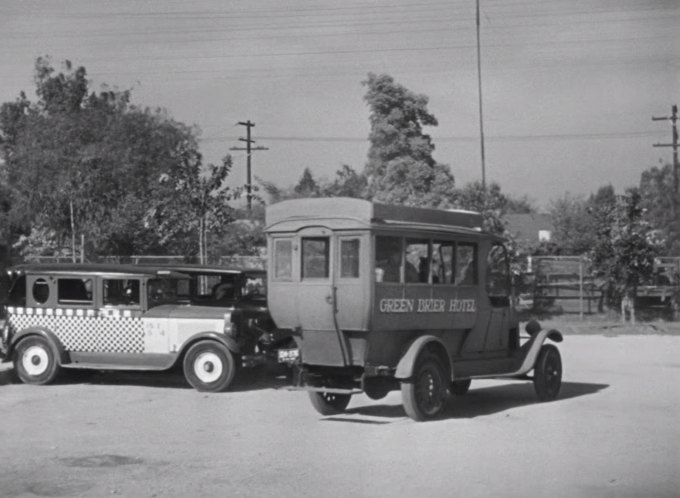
89, 163
400, 167
662, 205
347, 183
574, 228
307, 186
193, 203
623, 254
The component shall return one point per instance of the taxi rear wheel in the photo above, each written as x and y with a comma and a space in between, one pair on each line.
329, 403
548, 373
209, 367
35, 361
424, 395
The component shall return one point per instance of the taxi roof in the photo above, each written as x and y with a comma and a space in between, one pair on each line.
96, 269
343, 213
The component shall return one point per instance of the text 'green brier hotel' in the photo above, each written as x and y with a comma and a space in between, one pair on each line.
382, 297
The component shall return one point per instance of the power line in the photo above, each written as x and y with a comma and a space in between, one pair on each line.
249, 150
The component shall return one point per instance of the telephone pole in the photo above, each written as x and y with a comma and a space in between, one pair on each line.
673, 118
479, 86
249, 150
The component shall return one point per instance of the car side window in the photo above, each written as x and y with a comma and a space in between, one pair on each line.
121, 292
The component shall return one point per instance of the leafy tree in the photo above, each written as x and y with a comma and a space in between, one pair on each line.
662, 205
80, 163
400, 167
307, 186
574, 228
347, 183
623, 254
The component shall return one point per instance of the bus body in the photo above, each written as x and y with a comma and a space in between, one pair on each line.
380, 296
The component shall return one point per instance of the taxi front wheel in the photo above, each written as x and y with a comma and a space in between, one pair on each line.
209, 367
35, 361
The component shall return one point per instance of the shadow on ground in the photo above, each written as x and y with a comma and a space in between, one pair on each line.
486, 400
246, 379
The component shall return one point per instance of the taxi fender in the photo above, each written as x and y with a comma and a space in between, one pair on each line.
225, 340
54, 342
408, 360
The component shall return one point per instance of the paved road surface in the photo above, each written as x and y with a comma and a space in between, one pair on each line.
613, 433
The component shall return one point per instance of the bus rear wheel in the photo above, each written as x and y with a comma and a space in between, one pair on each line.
424, 395
329, 403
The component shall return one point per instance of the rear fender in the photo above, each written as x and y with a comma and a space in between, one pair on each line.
408, 360
54, 342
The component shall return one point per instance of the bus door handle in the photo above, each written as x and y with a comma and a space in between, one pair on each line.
329, 299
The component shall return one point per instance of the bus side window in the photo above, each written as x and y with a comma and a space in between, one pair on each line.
417, 261
315, 257
388, 254
443, 262
498, 276
466, 264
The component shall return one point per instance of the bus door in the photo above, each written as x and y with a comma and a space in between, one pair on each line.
498, 289
317, 299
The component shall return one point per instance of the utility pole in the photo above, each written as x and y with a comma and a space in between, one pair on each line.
479, 85
673, 118
249, 150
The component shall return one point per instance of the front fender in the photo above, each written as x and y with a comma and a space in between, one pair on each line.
407, 362
533, 347
54, 342
225, 340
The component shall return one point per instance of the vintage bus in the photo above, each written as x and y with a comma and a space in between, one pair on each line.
381, 297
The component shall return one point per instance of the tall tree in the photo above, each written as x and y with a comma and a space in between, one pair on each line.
88, 163
662, 205
400, 167
573, 224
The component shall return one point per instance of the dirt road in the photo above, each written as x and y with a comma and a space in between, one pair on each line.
614, 432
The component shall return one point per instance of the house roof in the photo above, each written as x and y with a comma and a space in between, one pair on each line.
526, 226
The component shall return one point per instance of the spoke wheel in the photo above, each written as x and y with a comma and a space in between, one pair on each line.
424, 395
329, 403
548, 373
35, 361
209, 367
460, 387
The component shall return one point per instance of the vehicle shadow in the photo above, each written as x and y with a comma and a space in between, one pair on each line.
246, 379
486, 400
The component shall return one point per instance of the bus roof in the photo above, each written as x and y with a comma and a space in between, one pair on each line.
347, 213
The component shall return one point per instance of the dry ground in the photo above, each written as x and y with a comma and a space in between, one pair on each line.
613, 433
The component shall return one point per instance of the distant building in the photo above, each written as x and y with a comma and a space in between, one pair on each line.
529, 229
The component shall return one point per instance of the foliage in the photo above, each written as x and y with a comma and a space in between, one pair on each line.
400, 167
90, 163
662, 205
573, 225
623, 254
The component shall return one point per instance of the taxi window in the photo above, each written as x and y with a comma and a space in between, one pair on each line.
17, 293
74, 291
283, 259
315, 257
121, 292
163, 291
41, 291
349, 258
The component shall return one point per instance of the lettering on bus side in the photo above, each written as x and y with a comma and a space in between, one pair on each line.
394, 305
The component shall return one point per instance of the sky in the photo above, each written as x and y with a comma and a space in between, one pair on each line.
569, 87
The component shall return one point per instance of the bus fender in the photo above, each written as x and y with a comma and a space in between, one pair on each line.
54, 342
408, 360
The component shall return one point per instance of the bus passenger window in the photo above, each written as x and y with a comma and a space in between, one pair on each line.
417, 267
283, 259
315, 257
466, 264
349, 258
442, 262
498, 276
388, 259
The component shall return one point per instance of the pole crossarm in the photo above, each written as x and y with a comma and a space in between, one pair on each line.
249, 149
